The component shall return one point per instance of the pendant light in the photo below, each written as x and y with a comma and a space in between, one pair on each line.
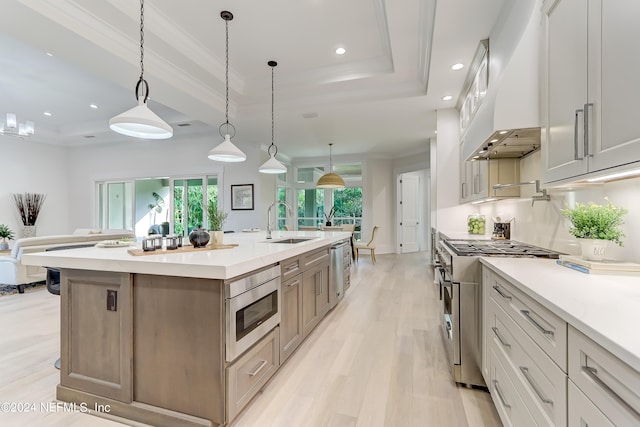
330, 180
272, 165
226, 151
140, 121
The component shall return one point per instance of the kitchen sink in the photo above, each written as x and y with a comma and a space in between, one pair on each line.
292, 240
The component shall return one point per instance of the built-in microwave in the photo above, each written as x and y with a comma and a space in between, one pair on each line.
252, 306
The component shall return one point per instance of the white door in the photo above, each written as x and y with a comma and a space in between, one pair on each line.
410, 212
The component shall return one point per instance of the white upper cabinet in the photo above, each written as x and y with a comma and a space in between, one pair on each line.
592, 63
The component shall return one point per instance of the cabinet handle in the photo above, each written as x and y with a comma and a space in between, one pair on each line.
503, 342
593, 374
536, 324
586, 129
502, 294
476, 184
534, 386
575, 135
292, 267
295, 282
263, 363
318, 281
462, 190
495, 386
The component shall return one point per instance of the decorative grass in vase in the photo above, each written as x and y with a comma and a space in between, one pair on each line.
216, 217
29, 206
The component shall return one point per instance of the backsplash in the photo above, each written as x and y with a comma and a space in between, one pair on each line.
543, 224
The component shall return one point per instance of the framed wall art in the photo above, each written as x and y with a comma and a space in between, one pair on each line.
242, 197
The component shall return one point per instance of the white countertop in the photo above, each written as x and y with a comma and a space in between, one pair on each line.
253, 252
606, 308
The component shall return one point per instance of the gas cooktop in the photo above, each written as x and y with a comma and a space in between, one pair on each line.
498, 248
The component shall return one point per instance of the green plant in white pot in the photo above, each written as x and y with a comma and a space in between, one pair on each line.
595, 226
216, 217
6, 234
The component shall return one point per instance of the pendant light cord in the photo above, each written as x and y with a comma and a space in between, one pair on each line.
272, 113
141, 80
141, 39
226, 75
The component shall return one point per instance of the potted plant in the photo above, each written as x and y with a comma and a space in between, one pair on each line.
595, 226
6, 234
216, 217
29, 206
157, 208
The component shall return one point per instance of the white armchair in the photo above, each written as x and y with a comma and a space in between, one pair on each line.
13, 272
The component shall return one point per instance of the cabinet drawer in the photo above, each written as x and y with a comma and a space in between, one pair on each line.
510, 407
290, 268
582, 411
544, 327
315, 258
612, 385
248, 374
540, 382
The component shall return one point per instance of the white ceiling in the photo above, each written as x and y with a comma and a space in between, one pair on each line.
379, 98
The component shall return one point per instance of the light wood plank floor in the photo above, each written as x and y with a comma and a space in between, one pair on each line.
375, 360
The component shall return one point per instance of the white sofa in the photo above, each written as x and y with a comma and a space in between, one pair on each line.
13, 272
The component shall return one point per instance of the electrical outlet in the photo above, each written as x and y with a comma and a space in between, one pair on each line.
112, 300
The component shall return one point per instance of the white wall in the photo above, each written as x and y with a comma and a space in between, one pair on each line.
29, 167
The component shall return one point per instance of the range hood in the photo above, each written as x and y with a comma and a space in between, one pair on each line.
509, 144
507, 123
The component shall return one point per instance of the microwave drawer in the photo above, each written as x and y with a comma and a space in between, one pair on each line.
545, 328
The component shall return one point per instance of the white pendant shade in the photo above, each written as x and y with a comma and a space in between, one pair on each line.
227, 152
272, 166
141, 122
330, 180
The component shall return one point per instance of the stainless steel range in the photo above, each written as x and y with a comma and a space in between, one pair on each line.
459, 275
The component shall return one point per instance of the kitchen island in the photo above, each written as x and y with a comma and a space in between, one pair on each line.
146, 338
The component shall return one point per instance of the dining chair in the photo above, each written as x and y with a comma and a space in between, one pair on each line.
331, 228
286, 227
358, 246
308, 227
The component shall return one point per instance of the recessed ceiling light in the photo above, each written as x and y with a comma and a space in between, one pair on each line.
502, 132
94, 106
458, 66
340, 51
494, 140
46, 113
49, 54
447, 98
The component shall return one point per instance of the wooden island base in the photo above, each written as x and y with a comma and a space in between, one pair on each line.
150, 348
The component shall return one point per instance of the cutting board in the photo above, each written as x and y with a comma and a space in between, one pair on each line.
140, 252
602, 266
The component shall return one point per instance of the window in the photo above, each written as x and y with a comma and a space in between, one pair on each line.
161, 205
313, 203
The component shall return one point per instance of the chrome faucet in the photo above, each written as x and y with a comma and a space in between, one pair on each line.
277, 202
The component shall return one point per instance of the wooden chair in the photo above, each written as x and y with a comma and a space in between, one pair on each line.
368, 246
349, 227
286, 227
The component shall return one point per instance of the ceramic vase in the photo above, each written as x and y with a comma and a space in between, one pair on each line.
217, 237
594, 249
29, 231
199, 238
4, 245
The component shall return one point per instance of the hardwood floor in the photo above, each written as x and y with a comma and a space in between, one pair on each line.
376, 360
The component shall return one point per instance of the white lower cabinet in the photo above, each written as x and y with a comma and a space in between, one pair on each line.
509, 404
539, 382
542, 371
582, 411
611, 385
